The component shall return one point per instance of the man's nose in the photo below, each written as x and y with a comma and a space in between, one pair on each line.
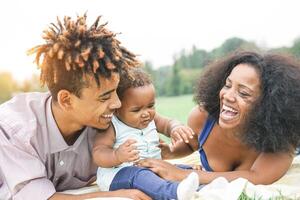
116, 103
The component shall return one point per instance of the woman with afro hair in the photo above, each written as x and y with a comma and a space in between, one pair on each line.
246, 122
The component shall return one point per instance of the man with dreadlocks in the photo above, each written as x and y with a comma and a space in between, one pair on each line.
46, 139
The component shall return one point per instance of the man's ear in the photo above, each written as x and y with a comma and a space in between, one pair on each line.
64, 99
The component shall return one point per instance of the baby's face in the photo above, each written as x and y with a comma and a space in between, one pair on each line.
137, 108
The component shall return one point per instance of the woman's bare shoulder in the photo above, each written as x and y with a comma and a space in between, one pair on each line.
197, 118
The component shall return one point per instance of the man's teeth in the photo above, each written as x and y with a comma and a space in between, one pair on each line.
227, 108
108, 116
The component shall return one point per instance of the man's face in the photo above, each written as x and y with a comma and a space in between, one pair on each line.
96, 105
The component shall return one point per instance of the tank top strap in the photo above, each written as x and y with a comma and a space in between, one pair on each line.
209, 124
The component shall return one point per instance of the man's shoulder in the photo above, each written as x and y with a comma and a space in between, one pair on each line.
22, 111
21, 101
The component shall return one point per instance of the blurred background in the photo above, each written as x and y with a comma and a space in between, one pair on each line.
174, 39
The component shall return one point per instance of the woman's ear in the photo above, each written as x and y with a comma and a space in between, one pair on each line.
64, 99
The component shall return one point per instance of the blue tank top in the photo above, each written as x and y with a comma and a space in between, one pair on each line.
209, 124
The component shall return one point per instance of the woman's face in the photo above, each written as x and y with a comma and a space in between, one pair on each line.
241, 90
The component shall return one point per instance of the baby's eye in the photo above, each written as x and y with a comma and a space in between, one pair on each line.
135, 110
151, 106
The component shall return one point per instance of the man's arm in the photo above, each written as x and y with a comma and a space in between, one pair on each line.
23, 174
103, 153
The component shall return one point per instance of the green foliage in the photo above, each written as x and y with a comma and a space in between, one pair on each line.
243, 196
176, 79
181, 76
32, 84
7, 86
227, 47
188, 80
295, 50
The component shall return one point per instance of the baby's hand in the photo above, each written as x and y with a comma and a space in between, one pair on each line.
181, 133
127, 152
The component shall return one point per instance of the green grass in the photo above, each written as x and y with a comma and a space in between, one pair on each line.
243, 196
175, 107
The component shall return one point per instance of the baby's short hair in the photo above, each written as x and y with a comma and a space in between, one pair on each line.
137, 78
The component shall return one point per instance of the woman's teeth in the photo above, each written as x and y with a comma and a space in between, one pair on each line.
228, 113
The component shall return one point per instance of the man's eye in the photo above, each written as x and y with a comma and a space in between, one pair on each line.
104, 99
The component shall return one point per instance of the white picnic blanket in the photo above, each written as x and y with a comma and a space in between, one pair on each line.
288, 187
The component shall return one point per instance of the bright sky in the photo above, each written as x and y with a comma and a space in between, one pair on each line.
154, 29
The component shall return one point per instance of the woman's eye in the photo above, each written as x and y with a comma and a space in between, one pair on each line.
243, 94
226, 86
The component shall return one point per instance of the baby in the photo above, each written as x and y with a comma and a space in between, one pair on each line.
133, 135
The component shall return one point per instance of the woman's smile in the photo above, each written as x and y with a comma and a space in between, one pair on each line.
228, 113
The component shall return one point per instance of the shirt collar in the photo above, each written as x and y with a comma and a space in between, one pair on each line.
56, 140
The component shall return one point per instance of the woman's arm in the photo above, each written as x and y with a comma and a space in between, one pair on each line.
266, 169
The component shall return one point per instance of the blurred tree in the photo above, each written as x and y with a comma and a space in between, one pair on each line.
230, 45
199, 58
163, 75
175, 84
32, 85
148, 66
7, 86
188, 80
295, 49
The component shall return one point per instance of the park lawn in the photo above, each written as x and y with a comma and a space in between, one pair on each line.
174, 107
177, 107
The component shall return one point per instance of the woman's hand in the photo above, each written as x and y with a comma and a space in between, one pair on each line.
165, 150
164, 169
